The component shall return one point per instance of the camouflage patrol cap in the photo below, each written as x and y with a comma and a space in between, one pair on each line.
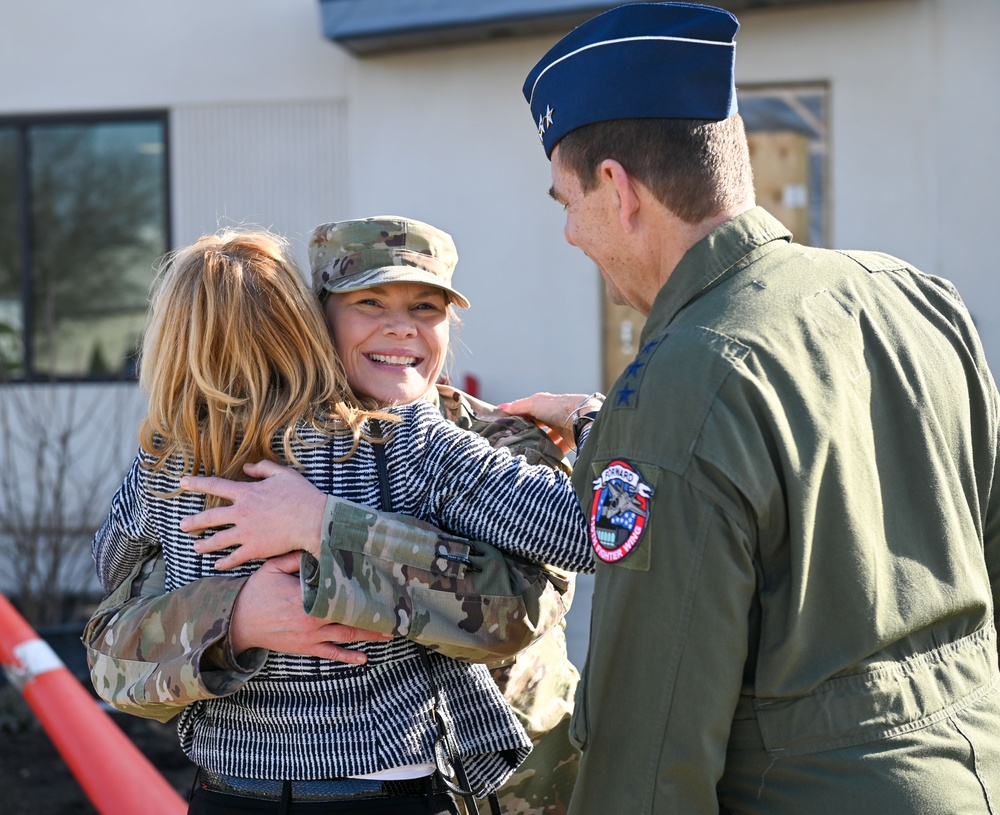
354, 255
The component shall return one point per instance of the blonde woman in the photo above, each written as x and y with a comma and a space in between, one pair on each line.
239, 367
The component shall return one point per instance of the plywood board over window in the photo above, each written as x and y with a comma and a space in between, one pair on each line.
787, 134
780, 162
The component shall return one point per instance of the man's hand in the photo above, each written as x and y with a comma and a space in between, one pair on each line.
281, 513
553, 410
268, 614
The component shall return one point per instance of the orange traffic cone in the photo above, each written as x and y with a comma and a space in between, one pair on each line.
113, 772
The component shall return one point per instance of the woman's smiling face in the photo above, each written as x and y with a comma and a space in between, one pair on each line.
392, 339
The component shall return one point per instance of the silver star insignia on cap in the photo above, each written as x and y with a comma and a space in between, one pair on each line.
545, 122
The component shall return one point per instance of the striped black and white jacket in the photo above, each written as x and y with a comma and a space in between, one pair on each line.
306, 718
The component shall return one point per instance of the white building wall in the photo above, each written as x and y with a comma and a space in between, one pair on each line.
282, 166
915, 112
62, 55
913, 116
444, 135
64, 450
272, 124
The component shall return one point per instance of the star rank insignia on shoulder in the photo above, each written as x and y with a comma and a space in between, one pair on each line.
631, 378
624, 396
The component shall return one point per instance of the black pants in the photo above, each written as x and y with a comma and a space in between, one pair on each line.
207, 802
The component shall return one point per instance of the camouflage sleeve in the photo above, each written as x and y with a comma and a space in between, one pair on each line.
397, 575
152, 652
519, 436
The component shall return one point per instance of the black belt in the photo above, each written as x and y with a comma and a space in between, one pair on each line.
324, 789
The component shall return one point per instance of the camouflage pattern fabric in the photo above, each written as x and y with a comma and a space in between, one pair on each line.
541, 684
396, 575
544, 782
152, 654
511, 608
464, 599
386, 572
521, 437
354, 255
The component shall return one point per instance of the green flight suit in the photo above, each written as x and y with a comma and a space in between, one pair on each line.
793, 508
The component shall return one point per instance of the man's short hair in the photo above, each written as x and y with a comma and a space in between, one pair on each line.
696, 168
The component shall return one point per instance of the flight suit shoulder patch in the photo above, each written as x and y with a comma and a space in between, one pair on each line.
619, 511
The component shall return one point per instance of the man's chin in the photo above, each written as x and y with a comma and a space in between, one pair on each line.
614, 294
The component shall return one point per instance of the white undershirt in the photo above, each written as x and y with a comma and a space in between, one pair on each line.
399, 773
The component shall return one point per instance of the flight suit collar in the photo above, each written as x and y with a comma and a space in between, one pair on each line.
714, 258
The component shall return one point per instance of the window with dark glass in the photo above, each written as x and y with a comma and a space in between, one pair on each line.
83, 220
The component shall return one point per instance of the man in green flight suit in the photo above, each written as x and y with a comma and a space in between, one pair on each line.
791, 490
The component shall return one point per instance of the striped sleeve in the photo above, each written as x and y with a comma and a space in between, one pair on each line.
488, 494
124, 540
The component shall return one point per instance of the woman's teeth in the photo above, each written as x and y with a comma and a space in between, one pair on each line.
393, 360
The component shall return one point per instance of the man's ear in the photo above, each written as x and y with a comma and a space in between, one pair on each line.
624, 187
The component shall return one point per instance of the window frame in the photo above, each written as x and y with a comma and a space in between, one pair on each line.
622, 325
22, 124
816, 129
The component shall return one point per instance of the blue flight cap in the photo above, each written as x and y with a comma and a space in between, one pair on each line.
637, 61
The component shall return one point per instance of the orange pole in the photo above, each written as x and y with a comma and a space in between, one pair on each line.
113, 772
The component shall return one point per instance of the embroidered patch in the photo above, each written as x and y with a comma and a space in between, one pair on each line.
619, 511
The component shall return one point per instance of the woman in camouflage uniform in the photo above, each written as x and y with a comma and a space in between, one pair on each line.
539, 683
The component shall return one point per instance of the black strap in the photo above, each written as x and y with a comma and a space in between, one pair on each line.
385, 492
446, 759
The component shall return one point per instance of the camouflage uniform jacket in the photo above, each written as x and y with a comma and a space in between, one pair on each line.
487, 615
541, 682
376, 713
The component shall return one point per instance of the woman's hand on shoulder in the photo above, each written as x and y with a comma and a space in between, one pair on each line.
556, 411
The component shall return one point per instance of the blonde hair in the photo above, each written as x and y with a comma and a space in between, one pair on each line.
236, 352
